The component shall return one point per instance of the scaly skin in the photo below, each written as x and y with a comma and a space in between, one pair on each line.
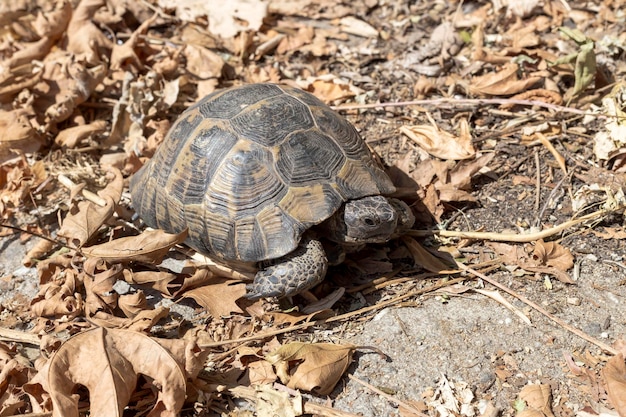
295, 272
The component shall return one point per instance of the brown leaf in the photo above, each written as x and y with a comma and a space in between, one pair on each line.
59, 295
124, 54
83, 221
319, 366
562, 276
538, 398
614, 374
42, 247
72, 136
538, 94
132, 304
17, 134
261, 372
84, 38
503, 82
328, 90
219, 296
108, 363
553, 254
202, 62
462, 173
423, 257
442, 144
50, 26
148, 247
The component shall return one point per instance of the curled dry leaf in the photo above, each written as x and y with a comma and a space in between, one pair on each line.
319, 366
614, 374
72, 136
260, 372
85, 217
59, 294
50, 26
502, 83
226, 19
538, 94
203, 62
442, 144
17, 134
42, 247
274, 403
84, 39
99, 279
329, 89
149, 247
553, 254
423, 257
124, 54
132, 304
538, 399
612, 137
108, 364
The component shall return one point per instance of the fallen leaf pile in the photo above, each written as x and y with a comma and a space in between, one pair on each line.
89, 89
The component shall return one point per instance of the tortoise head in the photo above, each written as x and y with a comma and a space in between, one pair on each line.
373, 219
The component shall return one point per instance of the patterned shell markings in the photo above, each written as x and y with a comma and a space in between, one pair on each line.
249, 169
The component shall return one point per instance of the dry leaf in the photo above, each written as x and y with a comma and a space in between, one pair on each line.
84, 38
614, 374
260, 372
329, 89
149, 247
42, 247
108, 364
553, 254
203, 62
318, 366
124, 55
538, 399
502, 83
274, 403
219, 296
72, 136
442, 144
226, 19
17, 134
83, 221
423, 257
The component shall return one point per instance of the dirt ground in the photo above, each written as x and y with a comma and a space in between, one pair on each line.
500, 118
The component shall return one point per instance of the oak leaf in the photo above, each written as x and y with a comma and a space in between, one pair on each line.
149, 247
311, 366
614, 374
108, 364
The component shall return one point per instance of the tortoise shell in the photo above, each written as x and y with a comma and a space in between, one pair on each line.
249, 169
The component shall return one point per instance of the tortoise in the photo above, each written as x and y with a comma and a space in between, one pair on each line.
261, 173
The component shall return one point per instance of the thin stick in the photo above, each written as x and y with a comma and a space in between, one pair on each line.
93, 197
472, 102
388, 397
19, 336
537, 181
340, 317
537, 307
511, 237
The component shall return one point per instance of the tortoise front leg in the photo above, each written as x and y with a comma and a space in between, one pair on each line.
291, 274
